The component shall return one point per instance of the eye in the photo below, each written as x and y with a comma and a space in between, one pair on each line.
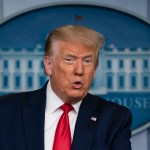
69, 60
88, 60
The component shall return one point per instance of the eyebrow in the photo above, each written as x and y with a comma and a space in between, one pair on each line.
86, 56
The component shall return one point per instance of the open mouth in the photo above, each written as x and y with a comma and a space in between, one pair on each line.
77, 85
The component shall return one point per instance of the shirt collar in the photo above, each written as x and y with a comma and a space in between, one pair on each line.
53, 102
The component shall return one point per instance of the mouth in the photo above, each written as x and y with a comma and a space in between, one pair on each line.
77, 84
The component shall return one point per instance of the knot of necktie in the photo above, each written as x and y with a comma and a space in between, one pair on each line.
66, 107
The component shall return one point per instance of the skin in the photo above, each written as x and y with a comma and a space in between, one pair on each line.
71, 69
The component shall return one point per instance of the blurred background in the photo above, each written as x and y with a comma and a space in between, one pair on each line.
13, 15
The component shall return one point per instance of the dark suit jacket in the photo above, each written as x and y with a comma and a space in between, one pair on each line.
101, 125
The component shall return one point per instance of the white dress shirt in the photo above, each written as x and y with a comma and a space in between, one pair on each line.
52, 115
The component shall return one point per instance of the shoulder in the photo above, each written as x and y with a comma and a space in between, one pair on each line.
22, 97
16, 96
108, 106
17, 100
112, 113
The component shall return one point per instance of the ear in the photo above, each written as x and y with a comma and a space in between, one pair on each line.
48, 65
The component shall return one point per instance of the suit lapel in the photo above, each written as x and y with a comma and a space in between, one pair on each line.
86, 125
33, 117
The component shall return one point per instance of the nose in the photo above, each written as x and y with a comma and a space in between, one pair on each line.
79, 68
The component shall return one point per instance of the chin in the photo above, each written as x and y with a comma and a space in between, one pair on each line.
74, 100
77, 97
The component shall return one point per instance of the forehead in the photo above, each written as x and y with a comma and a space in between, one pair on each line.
74, 48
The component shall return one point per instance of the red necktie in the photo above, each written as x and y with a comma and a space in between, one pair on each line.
62, 139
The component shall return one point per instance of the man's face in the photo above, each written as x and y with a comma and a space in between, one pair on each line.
71, 69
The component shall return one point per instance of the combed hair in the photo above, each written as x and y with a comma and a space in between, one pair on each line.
74, 33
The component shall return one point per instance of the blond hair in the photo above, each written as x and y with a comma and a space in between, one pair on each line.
86, 36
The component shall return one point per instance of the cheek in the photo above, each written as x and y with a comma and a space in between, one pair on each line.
65, 71
89, 76
90, 72
62, 74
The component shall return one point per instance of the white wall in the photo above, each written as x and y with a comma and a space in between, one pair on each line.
140, 141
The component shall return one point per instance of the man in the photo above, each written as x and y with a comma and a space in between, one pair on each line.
31, 120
